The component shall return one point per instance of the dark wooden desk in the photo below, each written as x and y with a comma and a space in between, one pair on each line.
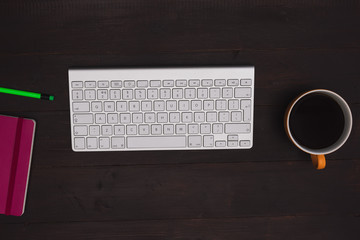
268, 192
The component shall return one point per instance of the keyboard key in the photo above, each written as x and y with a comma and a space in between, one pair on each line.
168, 83
149, 117
90, 94
80, 131
236, 116
220, 82
121, 106
165, 93
129, 83
171, 105
196, 105
208, 105
77, 94
223, 116
233, 82
208, 141
168, 129
206, 82
193, 128
194, 83
211, 116
102, 94
232, 143
181, 83
199, 117
237, 128
155, 83
125, 118
127, 94
174, 117
233, 104
140, 93
227, 92
202, 93
134, 106
186, 117
131, 129
112, 118
81, 106
115, 94
119, 130
184, 105
100, 118
146, 106
220, 143
116, 84
142, 83
180, 128
79, 143
194, 141
103, 84
90, 84
205, 128
161, 142
118, 142
156, 129
77, 84
83, 118
91, 143
190, 93
242, 92
144, 129
137, 118
106, 130
94, 130
109, 106
96, 106
245, 82
177, 93
221, 105
245, 105
104, 143
214, 93
152, 93
217, 128
159, 105
233, 137
245, 143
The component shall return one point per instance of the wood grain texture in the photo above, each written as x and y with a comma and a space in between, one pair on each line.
284, 227
268, 192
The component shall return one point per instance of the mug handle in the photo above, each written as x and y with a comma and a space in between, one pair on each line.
318, 161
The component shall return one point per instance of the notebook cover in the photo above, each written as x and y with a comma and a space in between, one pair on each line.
16, 141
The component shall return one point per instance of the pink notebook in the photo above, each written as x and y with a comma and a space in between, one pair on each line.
16, 142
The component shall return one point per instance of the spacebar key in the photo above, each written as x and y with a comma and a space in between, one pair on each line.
156, 142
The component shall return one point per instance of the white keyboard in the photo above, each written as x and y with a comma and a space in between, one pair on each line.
161, 108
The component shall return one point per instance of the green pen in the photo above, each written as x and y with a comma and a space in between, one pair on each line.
27, 94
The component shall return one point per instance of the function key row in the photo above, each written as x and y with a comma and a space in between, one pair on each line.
161, 83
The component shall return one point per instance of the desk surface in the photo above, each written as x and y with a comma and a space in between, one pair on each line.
268, 192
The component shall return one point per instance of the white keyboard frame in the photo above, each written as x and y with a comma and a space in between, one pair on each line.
163, 74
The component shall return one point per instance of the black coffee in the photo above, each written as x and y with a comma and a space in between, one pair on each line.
316, 121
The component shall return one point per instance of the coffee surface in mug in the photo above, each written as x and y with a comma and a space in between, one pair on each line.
316, 121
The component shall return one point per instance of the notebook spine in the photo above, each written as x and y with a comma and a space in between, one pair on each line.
14, 166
